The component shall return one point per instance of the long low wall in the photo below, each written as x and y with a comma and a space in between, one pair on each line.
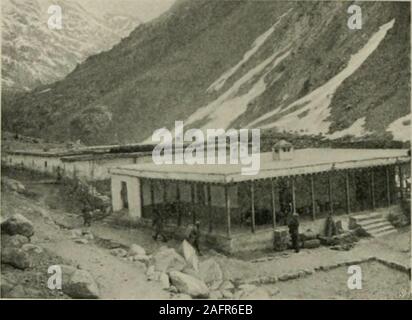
88, 169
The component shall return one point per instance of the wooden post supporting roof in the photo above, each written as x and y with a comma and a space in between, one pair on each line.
347, 191
209, 205
178, 205
252, 204
388, 189
272, 183
152, 195
312, 195
193, 200
400, 181
227, 201
372, 173
330, 192
293, 194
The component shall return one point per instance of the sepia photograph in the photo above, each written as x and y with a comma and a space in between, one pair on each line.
212, 150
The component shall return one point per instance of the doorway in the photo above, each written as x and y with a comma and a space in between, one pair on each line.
123, 195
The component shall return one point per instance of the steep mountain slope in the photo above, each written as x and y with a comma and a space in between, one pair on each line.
282, 66
33, 54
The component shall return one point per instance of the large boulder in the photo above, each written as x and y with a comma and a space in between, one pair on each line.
119, 252
187, 284
15, 241
210, 272
136, 250
81, 285
168, 259
13, 185
17, 224
16, 257
190, 255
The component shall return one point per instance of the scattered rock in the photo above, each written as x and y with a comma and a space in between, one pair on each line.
190, 255
311, 244
210, 271
168, 259
17, 292
81, 286
226, 285
81, 241
142, 258
227, 294
257, 294
238, 294
289, 276
182, 296
118, 252
76, 233
6, 286
164, 280
274, 291
17, 224
16, 257
13, 241
247, 287
28, 247
88, 235
136, 250
13, 185
173, 289
150, 272
191, 272
214, 295
189, 285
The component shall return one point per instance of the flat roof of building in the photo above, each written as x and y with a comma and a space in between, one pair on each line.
305, 161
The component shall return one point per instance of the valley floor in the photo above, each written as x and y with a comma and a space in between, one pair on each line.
326, 269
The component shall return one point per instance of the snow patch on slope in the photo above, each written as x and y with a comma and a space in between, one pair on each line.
401, 128
257, 44
227, 107
312, 117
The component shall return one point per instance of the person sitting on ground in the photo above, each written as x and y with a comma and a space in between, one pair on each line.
193, 236
158, 226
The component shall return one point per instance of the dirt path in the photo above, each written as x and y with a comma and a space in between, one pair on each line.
117, 278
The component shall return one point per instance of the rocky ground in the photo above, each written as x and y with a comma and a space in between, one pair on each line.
110, 262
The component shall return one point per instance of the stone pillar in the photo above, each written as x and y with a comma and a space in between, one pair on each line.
116, 198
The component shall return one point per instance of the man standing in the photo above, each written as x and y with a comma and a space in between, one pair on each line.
294, 231
87, 216
193, 236
158, 226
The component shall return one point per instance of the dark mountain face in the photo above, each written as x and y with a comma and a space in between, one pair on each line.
281, 66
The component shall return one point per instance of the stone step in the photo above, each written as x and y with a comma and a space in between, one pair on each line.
366, 216
384, 232
375, 225
377, 230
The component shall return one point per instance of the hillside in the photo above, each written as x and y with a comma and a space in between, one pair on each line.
34, 55
290, 67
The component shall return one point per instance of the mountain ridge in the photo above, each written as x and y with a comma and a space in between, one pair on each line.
260, 56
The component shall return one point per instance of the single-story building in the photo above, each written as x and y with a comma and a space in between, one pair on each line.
89, 163
240, 212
